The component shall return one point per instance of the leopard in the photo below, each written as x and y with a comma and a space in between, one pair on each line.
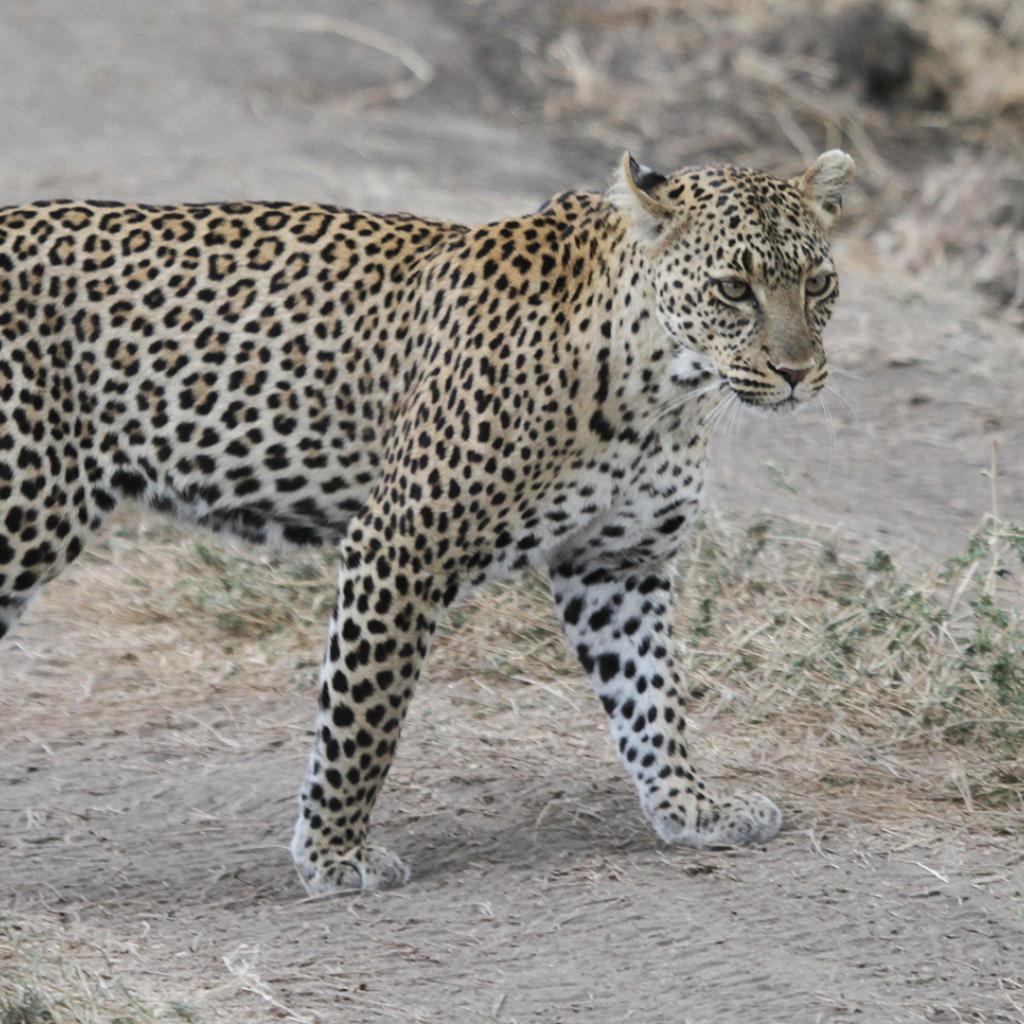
444, 404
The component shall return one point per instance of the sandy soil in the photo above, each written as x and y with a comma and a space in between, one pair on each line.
149, 777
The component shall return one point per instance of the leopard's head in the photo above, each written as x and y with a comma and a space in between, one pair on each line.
742, 270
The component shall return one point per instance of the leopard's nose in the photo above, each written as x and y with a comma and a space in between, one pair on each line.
792, 375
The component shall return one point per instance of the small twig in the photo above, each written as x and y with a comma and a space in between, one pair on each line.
994, 534
931, 871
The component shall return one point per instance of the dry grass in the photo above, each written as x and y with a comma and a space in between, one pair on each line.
848, 673
48, 976
254, 597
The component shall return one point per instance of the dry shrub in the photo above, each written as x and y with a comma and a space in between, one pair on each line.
967, 216
974, 56
915, 685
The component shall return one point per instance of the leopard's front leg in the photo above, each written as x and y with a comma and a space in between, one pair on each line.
379, 636
620, 625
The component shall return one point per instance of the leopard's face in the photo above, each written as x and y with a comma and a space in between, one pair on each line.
743, 275
755, 300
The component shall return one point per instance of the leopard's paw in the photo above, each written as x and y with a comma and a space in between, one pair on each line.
363, 868
739, 820
742, 819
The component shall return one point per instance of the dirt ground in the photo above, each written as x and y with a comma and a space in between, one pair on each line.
149, 767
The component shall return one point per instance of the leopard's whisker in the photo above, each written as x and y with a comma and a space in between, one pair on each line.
675, 404
735, 419
831, 434
719, 411
682, 400
728, 418
842, 398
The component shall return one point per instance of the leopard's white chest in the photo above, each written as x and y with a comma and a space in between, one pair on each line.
632, 506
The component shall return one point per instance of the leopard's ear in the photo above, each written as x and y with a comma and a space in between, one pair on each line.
634, 191
822, 185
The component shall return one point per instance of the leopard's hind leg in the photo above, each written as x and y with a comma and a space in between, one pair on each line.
51, 497
40, 533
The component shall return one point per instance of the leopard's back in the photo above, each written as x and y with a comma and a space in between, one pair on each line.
235, 363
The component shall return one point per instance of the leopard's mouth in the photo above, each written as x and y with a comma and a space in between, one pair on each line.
762, 402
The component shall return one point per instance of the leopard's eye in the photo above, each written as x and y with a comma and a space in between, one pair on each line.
818, 284
732, 289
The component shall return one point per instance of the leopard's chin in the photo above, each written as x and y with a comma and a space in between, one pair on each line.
782, 407
786, 405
